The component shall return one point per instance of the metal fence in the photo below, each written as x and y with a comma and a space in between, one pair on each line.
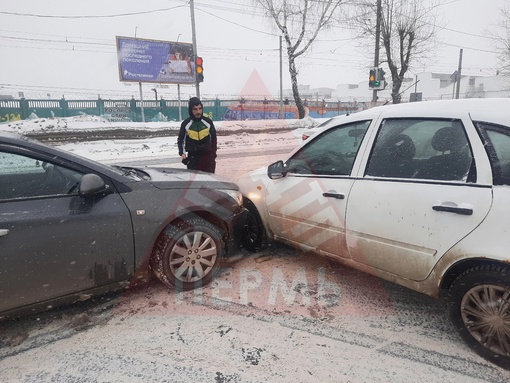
166, 110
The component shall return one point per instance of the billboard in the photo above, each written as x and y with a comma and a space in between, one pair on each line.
142, 60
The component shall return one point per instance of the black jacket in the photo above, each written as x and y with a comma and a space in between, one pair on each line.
197, 135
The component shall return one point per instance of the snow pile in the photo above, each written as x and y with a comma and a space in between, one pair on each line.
95, 123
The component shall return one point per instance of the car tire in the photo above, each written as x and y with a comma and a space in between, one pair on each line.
479, 305
188, 255
254, 234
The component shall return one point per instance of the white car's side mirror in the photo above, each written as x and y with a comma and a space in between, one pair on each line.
276, 170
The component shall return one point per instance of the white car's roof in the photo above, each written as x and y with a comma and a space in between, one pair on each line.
447, 106
485, 109
494, 110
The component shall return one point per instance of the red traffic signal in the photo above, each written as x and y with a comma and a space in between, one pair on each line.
199, 69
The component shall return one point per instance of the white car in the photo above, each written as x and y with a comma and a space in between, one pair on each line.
417, 194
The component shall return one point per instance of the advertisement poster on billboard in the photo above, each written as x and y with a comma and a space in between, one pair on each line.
142, 60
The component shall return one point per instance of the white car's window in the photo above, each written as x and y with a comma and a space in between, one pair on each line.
498, 149
422, 149
26, 177
331, 153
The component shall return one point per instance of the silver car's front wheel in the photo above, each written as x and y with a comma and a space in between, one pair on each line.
188, 255
254, 234
480, 308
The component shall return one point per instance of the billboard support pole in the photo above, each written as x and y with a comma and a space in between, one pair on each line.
194, 36
179, 100
141, 102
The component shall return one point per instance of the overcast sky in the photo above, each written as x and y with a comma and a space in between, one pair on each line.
67, 46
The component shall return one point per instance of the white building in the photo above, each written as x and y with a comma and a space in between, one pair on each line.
427, 86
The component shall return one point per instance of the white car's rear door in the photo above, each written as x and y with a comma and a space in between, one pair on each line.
421, 193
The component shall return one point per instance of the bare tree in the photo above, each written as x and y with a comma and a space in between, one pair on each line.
408, 30
502, 40
299, 21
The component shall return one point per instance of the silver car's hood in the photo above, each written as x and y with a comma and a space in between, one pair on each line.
172, 178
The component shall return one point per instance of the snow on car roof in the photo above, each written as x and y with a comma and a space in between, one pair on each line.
444, 106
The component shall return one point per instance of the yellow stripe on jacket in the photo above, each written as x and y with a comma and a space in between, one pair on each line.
200, 134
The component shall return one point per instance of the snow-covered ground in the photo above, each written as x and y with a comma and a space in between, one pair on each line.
242, 145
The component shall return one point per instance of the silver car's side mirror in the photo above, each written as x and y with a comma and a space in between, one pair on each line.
92, 184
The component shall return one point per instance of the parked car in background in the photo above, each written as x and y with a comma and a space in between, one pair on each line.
310, 132
71, 228
417, 194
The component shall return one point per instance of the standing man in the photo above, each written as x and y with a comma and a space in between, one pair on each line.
197, 138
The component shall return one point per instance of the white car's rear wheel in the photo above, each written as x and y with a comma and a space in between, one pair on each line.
479, 304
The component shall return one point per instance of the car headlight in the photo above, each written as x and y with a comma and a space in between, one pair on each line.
236, 195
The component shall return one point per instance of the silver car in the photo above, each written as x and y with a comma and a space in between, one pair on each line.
417, 194
71, 228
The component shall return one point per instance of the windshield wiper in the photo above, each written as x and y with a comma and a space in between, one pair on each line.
129, 172
134, 173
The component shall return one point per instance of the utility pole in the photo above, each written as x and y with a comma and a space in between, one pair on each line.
179, 90
377, 39
281, 79
194, 36
141, 91
459, 72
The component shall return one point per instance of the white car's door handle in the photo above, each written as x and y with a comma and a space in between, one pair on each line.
333, 195
3, 232
453, 209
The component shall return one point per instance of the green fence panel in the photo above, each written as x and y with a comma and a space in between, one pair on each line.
11, 110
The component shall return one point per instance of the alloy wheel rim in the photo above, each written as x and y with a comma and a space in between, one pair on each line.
193, 256
485, 310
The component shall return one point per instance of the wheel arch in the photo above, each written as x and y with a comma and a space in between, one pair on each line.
262, 214
459, 267
205, 215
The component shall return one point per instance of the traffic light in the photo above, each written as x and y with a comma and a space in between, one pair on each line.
373, 83
199, 69
380, 78
376, 79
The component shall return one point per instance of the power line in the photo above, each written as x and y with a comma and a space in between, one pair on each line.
472, 49
239, 25
89, 16
66, 41
230, 8
230, 54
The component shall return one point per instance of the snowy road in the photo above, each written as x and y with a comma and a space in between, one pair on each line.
281, 317
222, 158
